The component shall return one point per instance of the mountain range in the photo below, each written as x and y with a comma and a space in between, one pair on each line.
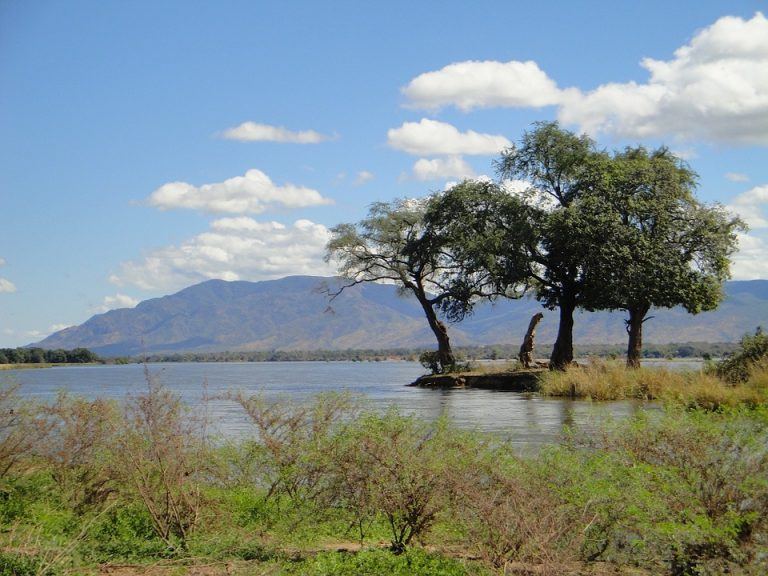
295, 313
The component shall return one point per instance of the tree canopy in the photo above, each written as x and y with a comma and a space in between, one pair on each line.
393, 244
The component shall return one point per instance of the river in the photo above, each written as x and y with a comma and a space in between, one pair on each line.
527, 420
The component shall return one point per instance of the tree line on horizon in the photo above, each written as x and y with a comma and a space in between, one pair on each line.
575, 226
43, 356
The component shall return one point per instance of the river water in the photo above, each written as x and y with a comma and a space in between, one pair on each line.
527, 420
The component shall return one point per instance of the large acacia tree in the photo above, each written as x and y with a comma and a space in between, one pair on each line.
393, 244
650, 243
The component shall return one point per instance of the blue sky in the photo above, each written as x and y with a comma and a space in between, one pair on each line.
129, 169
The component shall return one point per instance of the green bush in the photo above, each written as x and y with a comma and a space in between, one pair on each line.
377, 562
753, 350
14, 564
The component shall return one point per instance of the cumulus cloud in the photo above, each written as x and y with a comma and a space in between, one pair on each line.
255, 132
736, 177
714, 88
57, 327
430, 137
442, 169
117, 301
483, 84
252, 193
750, 204
750, 263
363, 177
238, 248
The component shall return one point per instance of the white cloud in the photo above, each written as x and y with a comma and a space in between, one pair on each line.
483, 84
253, 193
750, 205
736, 177
442, 168
255, 132
57, 327
715, 88
363, 177
686, 153
233, 249
430, 137
6, 286
116, 301
2, 261
750, 262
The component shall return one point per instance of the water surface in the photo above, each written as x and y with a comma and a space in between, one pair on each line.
526, 419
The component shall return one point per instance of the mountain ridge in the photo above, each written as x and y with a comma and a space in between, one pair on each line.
295, 313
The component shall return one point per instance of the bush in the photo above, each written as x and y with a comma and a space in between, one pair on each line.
684, 490
78, 450
161, 456
753, 350
377, 562
16, 564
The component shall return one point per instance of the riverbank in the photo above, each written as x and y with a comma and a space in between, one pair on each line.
331, 488
34, 366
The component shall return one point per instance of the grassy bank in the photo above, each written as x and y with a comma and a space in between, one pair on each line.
606, 380
89, 487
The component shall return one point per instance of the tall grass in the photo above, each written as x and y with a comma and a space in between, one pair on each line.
611, 380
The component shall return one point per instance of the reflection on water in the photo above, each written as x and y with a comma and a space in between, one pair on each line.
525, 419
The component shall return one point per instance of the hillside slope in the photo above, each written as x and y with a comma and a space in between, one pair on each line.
294, 313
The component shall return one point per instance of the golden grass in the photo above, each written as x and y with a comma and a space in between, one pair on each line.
603, 380
24, 366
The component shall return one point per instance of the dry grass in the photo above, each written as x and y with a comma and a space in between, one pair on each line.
603, 380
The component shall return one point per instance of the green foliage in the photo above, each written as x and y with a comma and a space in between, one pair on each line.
377, 562
39, 356
125, 532
753, 351
17, 564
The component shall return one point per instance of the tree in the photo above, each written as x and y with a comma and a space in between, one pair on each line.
392, 244
559, 168
650, 242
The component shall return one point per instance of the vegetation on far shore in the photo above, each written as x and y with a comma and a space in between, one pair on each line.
41, 356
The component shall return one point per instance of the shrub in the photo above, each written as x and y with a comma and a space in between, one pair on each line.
511, 514
293, 445
683, 489
753, 349
16, 564
20, 428
160, 452
77, 449
376, 562
401, 468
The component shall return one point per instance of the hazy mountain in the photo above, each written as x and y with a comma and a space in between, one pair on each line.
294, 313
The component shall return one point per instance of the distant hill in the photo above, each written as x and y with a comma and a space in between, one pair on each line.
293, 313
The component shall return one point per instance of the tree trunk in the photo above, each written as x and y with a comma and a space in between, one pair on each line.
526, 350
562, 353
444, 352
635, 331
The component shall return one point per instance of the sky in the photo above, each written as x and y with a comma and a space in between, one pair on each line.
148, 146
